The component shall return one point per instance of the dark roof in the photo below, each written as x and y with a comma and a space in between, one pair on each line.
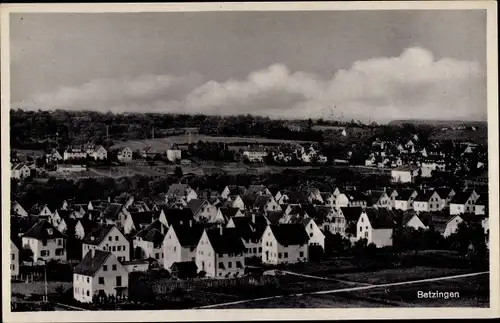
153, 232
70, 223
262, 200
461, 197
195, 205
380, 218
254, 189
87, 224
229, 212
188, 236
142, 218
43, 230
356, 196
424, 196
64, 213
248, 229
184, 266
21, 224
297, 210
236, 190
482, 200
404, 195
295, 197
97, 234
178, 216
351, 214
111, 211
290, 234
229, 242
249, 200
274, 216
438, 221
90, 265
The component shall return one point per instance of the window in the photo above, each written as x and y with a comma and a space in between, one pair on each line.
361, 219
285, 255
59, 242
310, 234
118, 280
254, 250
360, 228
301, 254
310, 225
157, 256
279, 255
229, 264
119, 248
105, 268
101, 280
267, 243
124, 248
44, 242
88, 293
221, 265
366, 234
88, 280
13, 256
110, 238
260, 249
116, 238
44, 253
114, 248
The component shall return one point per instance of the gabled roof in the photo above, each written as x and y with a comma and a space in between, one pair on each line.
424, 196
295, 197
229, 242
184, 266
153, 232
21, 224
439, 221
111, 211
374, 197
351, 214
298, 210
262, 200
290, 234
188, 236
178, 189
404, 195
88, 225
460, 198
142, 218
248, 229
43, 230
356, 196
274, 216
380, 218
64, 214
91, 264
236, 190
97, 235
229, 212
255, 189
249, 200
195, 205
178, 216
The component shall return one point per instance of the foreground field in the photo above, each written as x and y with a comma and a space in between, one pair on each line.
27, 289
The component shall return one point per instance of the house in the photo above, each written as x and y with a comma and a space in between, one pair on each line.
136, 221
124, 154
412, 220
404, 200
148, 242
250, 229
316, 237
404, 174
221, 253
328, 198
446, 194
99, 273
183, 191
53, 156
174, 155
97, 152
148, 152
14, 260
255, 154
17, 209
20, 171
137, 265
173, 216
463, 202
445, 224
184, 270
45, 241
69, 168
376, 226
342, 200
345, 220
74, 153
379, 199
203, 211
107, 238
180, 242
356, 199
432, 164
257, 190
285, 243
235, 201
231, 212
481, 206
232, 190
84, 226
114, 213
265, 203
427, 201
66, 225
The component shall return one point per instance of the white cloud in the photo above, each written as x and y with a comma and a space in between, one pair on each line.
413, 85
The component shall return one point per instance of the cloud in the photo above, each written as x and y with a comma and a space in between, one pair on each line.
413, 85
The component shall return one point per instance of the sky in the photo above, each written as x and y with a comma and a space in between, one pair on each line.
367, 65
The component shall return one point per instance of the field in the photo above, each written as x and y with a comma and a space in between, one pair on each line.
38, 287
480, 136
162, 144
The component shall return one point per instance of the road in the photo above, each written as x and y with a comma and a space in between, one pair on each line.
350, 289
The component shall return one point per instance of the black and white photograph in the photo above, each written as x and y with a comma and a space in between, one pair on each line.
237, 158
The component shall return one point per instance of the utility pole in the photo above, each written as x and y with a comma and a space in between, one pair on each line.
153, 133
45, 278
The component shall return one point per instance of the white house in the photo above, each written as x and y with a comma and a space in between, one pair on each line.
179, 244
99, 273
379, 199
427, 201
376, 226
430, 165
341, 200
404, 174
124, 154
232, 190
46, 242
136, 221
404, 200
255, 154
107, 238
221, 253
74, 153
316, 237
202, 209
446, 224
446, 194
53, 156
250, 229
97, 152
463, 202
412, 220
183, 191
14, 260
285, 243
20, 171
236, 202
174, 154
148, 243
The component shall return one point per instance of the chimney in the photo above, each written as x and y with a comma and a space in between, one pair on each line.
109, 199
221, 229
190, 223
253, 217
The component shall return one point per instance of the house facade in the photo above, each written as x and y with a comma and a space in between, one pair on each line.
180, 243
174, 155
375, 227
124, 154
107, 238
285, 243
14, 260
46, 242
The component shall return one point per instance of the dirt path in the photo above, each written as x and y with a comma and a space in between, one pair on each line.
350, 289
325, 278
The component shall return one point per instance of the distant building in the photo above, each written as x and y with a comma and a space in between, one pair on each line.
97, 152
20, 171
404, 174
174, 154
68, 168
74, 153
14, 260
255, 154
376, 226
53, 156
285, 243
124, 154
107, 238
45, 241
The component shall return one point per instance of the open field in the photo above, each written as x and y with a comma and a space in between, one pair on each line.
38, 287
29, 152
162, 144
480, 136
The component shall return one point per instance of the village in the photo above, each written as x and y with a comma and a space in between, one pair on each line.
239, 232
